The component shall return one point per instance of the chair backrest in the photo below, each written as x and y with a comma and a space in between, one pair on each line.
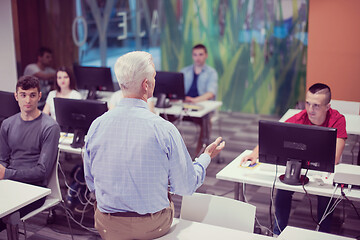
219, 211
347, 107
53, 183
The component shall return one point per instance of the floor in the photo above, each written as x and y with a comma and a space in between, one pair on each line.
239, 130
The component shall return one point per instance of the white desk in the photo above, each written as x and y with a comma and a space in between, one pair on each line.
64, 144
352, 121
294, 233
184, 229
177, 109
264, 175
16, 195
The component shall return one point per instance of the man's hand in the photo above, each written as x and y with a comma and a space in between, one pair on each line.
252, 157
190, 99
215, 148
2, 172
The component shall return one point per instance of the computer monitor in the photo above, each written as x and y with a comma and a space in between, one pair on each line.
93, 79
297, 146
9, 105
168, 85
77, 115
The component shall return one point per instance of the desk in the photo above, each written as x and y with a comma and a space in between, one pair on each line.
264, 175
201, 117
352, 121
64, 144
18, 195
184, 229
294, 233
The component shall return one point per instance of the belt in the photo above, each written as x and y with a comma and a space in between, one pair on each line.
129, 214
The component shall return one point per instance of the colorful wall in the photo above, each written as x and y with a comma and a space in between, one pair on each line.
258, 48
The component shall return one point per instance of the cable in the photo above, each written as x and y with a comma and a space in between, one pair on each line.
307, 195
272, 202
352, 204
256, 219
325, 214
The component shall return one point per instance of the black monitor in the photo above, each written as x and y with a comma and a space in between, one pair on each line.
168, 85
9, 105
297, 146
77, 115
93, 79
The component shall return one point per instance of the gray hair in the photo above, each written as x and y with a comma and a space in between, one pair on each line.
132, 68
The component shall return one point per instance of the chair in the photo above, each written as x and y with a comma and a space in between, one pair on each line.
51, 200
347, 107
219, 211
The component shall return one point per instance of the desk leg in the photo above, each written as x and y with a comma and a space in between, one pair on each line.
238, 192
12, 225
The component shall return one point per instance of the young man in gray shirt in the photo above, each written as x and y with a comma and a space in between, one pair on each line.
28, 141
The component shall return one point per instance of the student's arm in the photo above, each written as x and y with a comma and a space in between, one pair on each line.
252, 157
204, 97
46, 160
340, 145
4, 152
45, 76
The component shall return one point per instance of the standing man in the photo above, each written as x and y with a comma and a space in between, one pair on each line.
28, 141
318, 112
134, 158
43, 71
201, 81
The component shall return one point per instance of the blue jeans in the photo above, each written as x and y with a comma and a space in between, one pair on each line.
283, 208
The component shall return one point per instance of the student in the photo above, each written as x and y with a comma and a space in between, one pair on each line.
318, 112
64, 88
133, 158
201, 83
201, 80
28, 141
42, 70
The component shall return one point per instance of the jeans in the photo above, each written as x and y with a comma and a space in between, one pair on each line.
283, 208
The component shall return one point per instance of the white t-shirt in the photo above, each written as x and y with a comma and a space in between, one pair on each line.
50, 100
33, 68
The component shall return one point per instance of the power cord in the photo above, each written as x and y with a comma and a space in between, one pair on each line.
272, 203
307, 195
352, 204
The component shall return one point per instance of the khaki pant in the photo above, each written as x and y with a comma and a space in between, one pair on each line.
148, 227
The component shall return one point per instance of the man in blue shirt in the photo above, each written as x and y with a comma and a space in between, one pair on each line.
133, 158
201, 81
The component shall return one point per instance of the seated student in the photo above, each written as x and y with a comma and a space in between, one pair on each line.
201, 83
64, 88
28, 142
201, 80
318, 112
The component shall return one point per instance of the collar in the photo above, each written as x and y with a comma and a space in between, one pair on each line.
133, 102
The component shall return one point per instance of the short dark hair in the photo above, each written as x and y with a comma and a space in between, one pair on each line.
200, 46
71, 78
44, 50
321, 88
27, 82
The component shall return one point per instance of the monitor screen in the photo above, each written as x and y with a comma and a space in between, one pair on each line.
9, 105
297, 146
93, 79
170, 84
77, 115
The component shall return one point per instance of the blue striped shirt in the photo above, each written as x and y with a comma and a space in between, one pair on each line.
132, 155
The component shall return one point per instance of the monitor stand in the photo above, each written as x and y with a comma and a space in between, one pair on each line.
292, 174
78, 140
92, 94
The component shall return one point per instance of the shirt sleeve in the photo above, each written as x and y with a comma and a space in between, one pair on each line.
46, 160
4, 147
185, 176
340, 125
212, 85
